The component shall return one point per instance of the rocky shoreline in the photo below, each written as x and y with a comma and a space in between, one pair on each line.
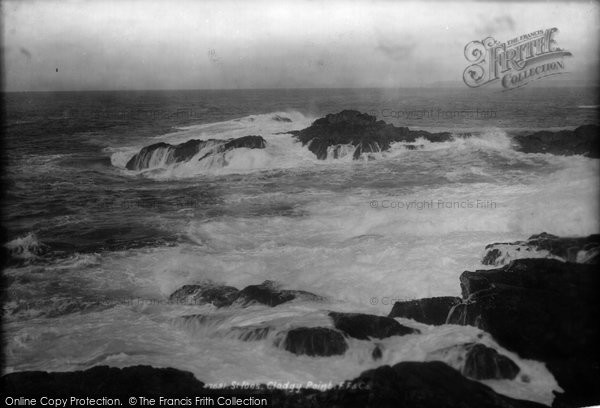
544, 308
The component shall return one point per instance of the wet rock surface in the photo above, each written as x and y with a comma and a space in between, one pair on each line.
365, 326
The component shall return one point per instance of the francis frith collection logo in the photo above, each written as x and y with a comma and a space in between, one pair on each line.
516, 62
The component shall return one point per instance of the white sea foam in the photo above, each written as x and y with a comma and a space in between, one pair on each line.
331, 241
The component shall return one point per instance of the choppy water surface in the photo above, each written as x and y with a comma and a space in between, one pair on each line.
101, 247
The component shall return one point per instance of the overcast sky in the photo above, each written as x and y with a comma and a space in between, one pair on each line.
270, 44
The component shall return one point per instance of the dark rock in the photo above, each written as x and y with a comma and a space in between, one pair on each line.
476, 361
580, 250
249, 142
377, 353
583, 140
484, 363
360, 130
492, 255
414, 384
433, 311
185, 151
269, 294
102, 381
413, 147
545, 310
408, 384
218, 295
178, 153
278, 118
315, 341
579, 378
365, 326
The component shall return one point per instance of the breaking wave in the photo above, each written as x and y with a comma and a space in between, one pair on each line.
281, 150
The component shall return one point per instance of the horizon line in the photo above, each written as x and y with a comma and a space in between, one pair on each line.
554, 85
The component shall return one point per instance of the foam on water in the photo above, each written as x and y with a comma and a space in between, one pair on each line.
282, 150
361, 234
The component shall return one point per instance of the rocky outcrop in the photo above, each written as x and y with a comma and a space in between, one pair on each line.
583, 140
543, 309
165, 153
433, 311
408, 384
363, 132
218, 295
366, 326
579, 250
248, 142
267, 293
315, 341
477, 361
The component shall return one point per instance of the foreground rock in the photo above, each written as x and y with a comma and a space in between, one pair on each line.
412, 384
579, 250
267, 293
165, 153
365, 326
409, 384
315, 341
477, 361
433, 311
543, 309
583, 140
360, 131
102, 381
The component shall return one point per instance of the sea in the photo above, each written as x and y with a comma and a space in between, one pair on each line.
94, 249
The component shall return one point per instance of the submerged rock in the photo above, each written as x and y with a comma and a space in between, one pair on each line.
583, 140
218, 295
315, 341
477, 361
579, 250
268, 293
278, 118
377, 353
251, 333
433, 311
543, 309
366, 326
360, 130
